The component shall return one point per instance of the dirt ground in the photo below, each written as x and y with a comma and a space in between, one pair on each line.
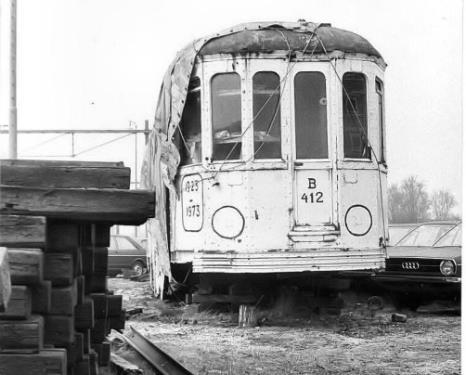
357, 341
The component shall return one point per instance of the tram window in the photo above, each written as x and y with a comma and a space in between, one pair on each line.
266, 115
226, 116
380, 112
190, 126
355, 116
310, 116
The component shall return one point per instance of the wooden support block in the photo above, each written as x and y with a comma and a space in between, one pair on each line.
99, 332
96, 283
114, 303
87, 260
64, 175
223, 298
46, 362
59, 330
19, 306
62, 236
81, 284
41, 297
75, 350
83, 366
95, 234
93, 362
5, 279
22, 231
100, 260
100, 305
22, 335
87, 340
247, 316
117, 322
26, 266
58, 268
103, 352
64, 299
84, 315
132, 207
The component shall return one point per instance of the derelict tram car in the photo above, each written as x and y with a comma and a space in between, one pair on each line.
283, 154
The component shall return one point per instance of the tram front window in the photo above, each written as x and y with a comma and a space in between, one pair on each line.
266, 115
310, 116
190, 125
355, 116
226, 116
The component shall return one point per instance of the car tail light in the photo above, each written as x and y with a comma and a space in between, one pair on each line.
447, 268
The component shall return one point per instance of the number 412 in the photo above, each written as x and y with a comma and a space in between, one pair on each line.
317, 197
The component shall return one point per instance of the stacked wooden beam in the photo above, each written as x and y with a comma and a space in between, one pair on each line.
55, 220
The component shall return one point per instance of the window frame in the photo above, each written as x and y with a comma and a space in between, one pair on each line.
280, 114
211, 119
380, 96
342, 114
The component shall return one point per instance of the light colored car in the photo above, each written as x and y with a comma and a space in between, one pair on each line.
125, 253
398, 231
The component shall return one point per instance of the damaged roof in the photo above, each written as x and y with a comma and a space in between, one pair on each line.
280, 36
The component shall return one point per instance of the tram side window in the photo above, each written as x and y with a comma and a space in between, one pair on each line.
266, 115
226, 116
190, 126
380, 112
355, 116
310, 116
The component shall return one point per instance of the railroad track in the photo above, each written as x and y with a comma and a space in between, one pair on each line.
161, 361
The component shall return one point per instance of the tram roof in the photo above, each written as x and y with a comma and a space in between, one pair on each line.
283, 36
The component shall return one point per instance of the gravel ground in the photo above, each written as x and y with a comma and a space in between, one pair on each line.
354, 342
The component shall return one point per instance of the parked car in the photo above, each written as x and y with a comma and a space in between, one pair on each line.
125, 253
425, 263
398, 231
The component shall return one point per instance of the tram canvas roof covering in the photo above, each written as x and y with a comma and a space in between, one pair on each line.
162, 158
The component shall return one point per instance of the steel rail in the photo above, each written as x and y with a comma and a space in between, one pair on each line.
161, 361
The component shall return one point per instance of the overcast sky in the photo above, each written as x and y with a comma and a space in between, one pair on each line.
99, 64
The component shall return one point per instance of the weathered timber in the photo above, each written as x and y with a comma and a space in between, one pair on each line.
100, 260
93, 362
46, 362
62, 236
95, 234
22, 231
19, 306
88, 259
80, 281
22, 334
75, 350
103, 352
41, 297
117, 322
110, 205
87, 340
96, 283
84, 315
114, 304
59, 268
247, 316
223, 298
59, 330
83, 366
5, 281
54, 175
64, 299
26, 266
122, 366
100, 305
99, 331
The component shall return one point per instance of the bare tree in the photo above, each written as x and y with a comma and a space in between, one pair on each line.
408, 203
442, 202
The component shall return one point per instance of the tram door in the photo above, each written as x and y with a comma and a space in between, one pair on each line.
312, 166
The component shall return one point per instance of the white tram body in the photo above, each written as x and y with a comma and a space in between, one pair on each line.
283, 164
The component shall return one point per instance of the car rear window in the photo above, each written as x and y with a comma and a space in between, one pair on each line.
424, 235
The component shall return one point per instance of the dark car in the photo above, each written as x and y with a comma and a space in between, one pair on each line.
125, 253
425, 263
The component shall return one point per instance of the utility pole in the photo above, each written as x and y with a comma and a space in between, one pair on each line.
13, 129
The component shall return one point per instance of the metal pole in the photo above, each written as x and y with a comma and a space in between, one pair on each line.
146, 131
13, 129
